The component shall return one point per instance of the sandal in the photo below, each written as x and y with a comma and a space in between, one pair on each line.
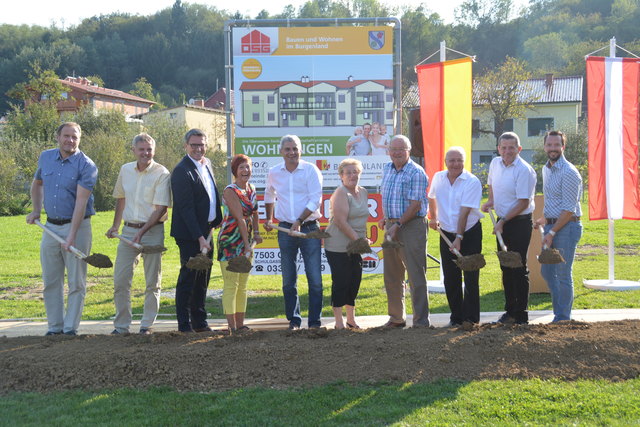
243, 328
354, 326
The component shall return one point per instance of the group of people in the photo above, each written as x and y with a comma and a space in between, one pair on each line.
144, 191
370, 139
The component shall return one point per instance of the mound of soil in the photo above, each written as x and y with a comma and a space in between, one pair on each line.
280, 359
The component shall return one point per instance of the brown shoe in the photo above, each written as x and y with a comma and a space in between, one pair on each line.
205, 329
391, 324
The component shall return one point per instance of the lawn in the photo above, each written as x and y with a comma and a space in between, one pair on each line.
528, 402
21, 283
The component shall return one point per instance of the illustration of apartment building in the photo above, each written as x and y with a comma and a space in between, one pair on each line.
307, 103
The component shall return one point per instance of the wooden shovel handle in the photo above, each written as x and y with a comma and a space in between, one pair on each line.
60, 240
448, 242
286, 230
138, 246
498, 234
204, 250
541, 228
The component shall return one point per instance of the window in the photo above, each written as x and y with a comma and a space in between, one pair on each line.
366, 115
508, 125
475, 128
256, 117
389, 97
293, 116
342, 115
318, 116
486, 159
271, 116
255, 99
538, 127
270, 99
389, 115
342, 99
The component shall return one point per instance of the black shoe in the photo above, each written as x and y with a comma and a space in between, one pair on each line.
453, 325
71, 333
505, 319
49, 333
145, 331
116, 332
293, 327
205, 329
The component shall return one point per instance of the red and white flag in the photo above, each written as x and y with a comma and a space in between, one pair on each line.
612, 96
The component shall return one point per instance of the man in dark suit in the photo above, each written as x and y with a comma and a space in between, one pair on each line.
196, 210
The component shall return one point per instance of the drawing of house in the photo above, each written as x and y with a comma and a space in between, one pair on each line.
310, 103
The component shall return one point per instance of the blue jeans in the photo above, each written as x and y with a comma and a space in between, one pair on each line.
311, 255
559, 277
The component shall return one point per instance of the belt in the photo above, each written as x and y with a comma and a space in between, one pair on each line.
134, 224
288, 224
554, 220
62, 221
518, 217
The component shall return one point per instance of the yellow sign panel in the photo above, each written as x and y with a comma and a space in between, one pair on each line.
251, 68
335, 41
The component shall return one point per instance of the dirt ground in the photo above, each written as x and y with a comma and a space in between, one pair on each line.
280, 359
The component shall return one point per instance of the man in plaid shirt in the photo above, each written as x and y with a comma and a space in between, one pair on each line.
561, 222
404, 203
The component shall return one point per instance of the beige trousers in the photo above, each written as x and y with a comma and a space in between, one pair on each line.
54, 261
126, 261
410, 259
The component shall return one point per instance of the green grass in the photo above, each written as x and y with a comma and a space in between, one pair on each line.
446, 402
21, 282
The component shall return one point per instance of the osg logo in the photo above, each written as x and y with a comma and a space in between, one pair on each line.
255, 42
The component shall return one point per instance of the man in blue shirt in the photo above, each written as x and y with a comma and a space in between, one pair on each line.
64, 182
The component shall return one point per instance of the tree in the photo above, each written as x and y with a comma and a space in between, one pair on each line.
475, 13
504, 91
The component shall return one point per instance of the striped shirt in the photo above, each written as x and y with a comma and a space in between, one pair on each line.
562, 186
400, 187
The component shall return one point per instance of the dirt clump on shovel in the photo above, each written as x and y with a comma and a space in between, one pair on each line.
471, 262
199, 262
550, 256
359, 246
317, 234
99, 261
510, 259
153, 249
239, 264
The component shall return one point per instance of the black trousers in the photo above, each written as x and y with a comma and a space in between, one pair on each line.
346, 275
515, 281
191, 288
464, 306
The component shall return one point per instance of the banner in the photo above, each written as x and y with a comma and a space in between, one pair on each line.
333, 86
612, 96
445, 90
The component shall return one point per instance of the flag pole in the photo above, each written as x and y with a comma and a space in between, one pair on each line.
611, 284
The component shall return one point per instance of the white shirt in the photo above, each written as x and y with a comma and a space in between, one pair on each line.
466, 191
511, 183
294, 191
206, 175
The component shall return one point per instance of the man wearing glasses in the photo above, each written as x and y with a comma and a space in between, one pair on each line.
404, 203
196, 210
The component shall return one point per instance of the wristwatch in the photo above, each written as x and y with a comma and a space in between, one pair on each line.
460, 236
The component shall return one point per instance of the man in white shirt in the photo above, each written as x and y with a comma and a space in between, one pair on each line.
512, 185
143, 194
296, 185
454, 197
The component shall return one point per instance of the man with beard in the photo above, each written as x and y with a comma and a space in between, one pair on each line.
561, 222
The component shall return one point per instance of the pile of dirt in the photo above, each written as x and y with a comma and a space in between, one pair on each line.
280, 359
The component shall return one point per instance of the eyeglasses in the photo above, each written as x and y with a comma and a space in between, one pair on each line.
398, 150
198, 146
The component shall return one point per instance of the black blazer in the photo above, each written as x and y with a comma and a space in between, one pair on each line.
189, 218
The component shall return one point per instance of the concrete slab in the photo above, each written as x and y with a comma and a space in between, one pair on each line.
31, 327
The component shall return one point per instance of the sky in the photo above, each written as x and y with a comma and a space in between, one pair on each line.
72, 12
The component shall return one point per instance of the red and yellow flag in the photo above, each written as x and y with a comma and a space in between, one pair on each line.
445, 110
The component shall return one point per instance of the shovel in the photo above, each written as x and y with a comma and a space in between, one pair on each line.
507, 258
150, 249
315, 234
96, 260
465, 262
201, 261
241, 263
549, 255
